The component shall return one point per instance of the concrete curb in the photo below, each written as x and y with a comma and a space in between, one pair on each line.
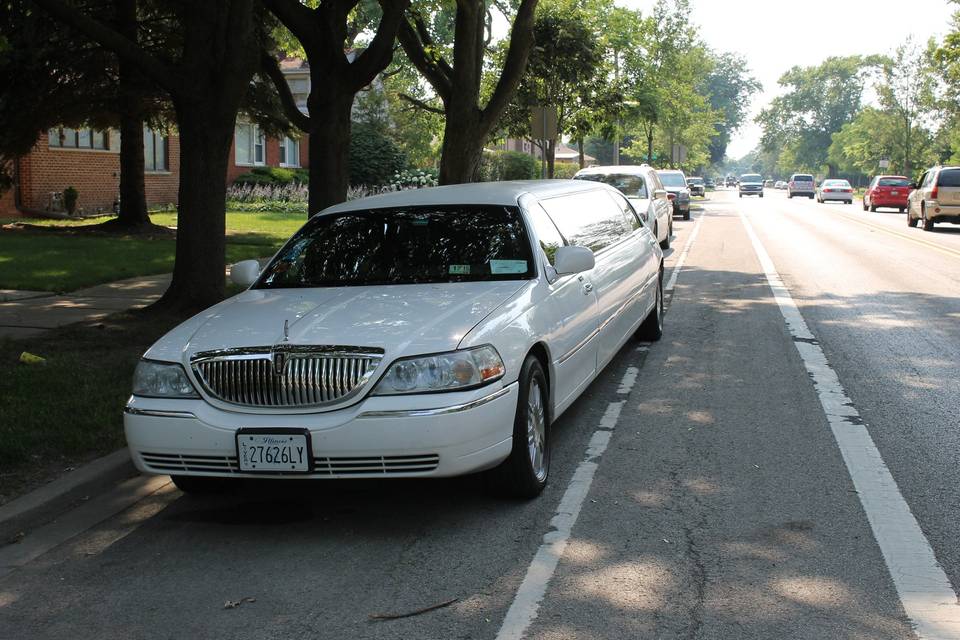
41, 505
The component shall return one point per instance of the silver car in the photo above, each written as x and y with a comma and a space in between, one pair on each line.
835, 190
643, 188
935, 198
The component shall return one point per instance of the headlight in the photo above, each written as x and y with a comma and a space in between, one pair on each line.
454, 371
162, 380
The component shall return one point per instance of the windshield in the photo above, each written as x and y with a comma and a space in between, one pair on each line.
629, 185
800, 177
893, 182
836, 183
694, 180
455, 243
751, 177
672, 179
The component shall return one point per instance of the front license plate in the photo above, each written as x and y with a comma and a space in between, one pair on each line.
276, 451
894, 193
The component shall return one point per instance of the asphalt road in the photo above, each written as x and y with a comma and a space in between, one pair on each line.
698, 487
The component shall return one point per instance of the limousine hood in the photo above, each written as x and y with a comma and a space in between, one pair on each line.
400, 319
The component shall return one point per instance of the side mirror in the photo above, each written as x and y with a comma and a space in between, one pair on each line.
660, 194
914, 185
569, 260
245, 273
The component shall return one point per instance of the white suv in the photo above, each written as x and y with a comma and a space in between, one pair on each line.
935, 198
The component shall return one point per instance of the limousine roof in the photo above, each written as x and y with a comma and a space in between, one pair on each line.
499, 193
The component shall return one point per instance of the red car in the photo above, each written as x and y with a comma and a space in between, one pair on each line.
887, 191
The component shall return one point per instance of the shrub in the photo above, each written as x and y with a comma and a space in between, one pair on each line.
565, 170
508, 165
414, 179
70, 196
273, 175
374, 157
250, 179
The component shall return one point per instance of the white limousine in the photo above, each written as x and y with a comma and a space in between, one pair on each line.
432, 332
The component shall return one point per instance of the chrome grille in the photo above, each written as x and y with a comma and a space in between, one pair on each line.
324, 466
286, 375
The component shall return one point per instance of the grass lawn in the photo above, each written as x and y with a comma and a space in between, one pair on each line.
69, 409
47, 261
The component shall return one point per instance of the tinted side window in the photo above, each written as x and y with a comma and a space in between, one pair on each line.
926, 179
588, 219
949, 178
631, 217
547, 234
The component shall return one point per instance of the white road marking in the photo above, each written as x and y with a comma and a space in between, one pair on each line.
526, 603
924, 589
671, 283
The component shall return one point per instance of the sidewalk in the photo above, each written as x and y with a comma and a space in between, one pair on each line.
28, 313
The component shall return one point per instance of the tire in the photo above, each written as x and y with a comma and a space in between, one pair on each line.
811, 197
686, 215
865, 204
849, 201
666, 241
761, 195
927, 223
911, 221
670, 230
741, 195
526, 470
652, 328
902, 209
200, 485
789, 196
873, 208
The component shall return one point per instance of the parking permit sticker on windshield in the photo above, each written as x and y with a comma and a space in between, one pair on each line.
508, 266
460, 269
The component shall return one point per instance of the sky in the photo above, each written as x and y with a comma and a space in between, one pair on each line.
774, 36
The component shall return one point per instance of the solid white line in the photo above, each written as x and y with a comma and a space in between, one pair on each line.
523, 610
671, 283
924, 589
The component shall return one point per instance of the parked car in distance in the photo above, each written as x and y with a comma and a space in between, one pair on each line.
801, 184
697, 186
935, 198
768, 184
430, 332
780, 185
709, 183
835, 189
887, 191
751, 184
731, 181
642, 187
675, 183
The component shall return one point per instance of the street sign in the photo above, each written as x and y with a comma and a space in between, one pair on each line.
679, 153
543, 123
884, 163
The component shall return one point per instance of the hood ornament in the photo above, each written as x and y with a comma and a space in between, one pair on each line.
286, 330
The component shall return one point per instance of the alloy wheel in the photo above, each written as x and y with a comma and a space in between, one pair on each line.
536, 431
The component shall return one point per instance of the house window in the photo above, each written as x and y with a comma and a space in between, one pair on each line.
249, 144
289, 152
68, 138
155, 146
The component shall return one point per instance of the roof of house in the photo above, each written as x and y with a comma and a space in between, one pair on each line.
505, 193
564, 152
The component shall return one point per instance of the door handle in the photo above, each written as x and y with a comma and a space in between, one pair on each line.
587, 287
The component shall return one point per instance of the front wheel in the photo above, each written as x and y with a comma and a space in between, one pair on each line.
652, 327
864, 204
911, 221
761, 195
525, 471
686, 215
666, 241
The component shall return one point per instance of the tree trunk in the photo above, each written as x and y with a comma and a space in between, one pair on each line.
551, 157
133, 198
581, 158
650, 146
462, 151
198, 274
329, 148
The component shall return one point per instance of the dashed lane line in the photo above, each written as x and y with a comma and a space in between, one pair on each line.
672, 281
526, 603
924, 589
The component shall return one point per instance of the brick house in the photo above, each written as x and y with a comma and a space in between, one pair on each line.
89, 161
